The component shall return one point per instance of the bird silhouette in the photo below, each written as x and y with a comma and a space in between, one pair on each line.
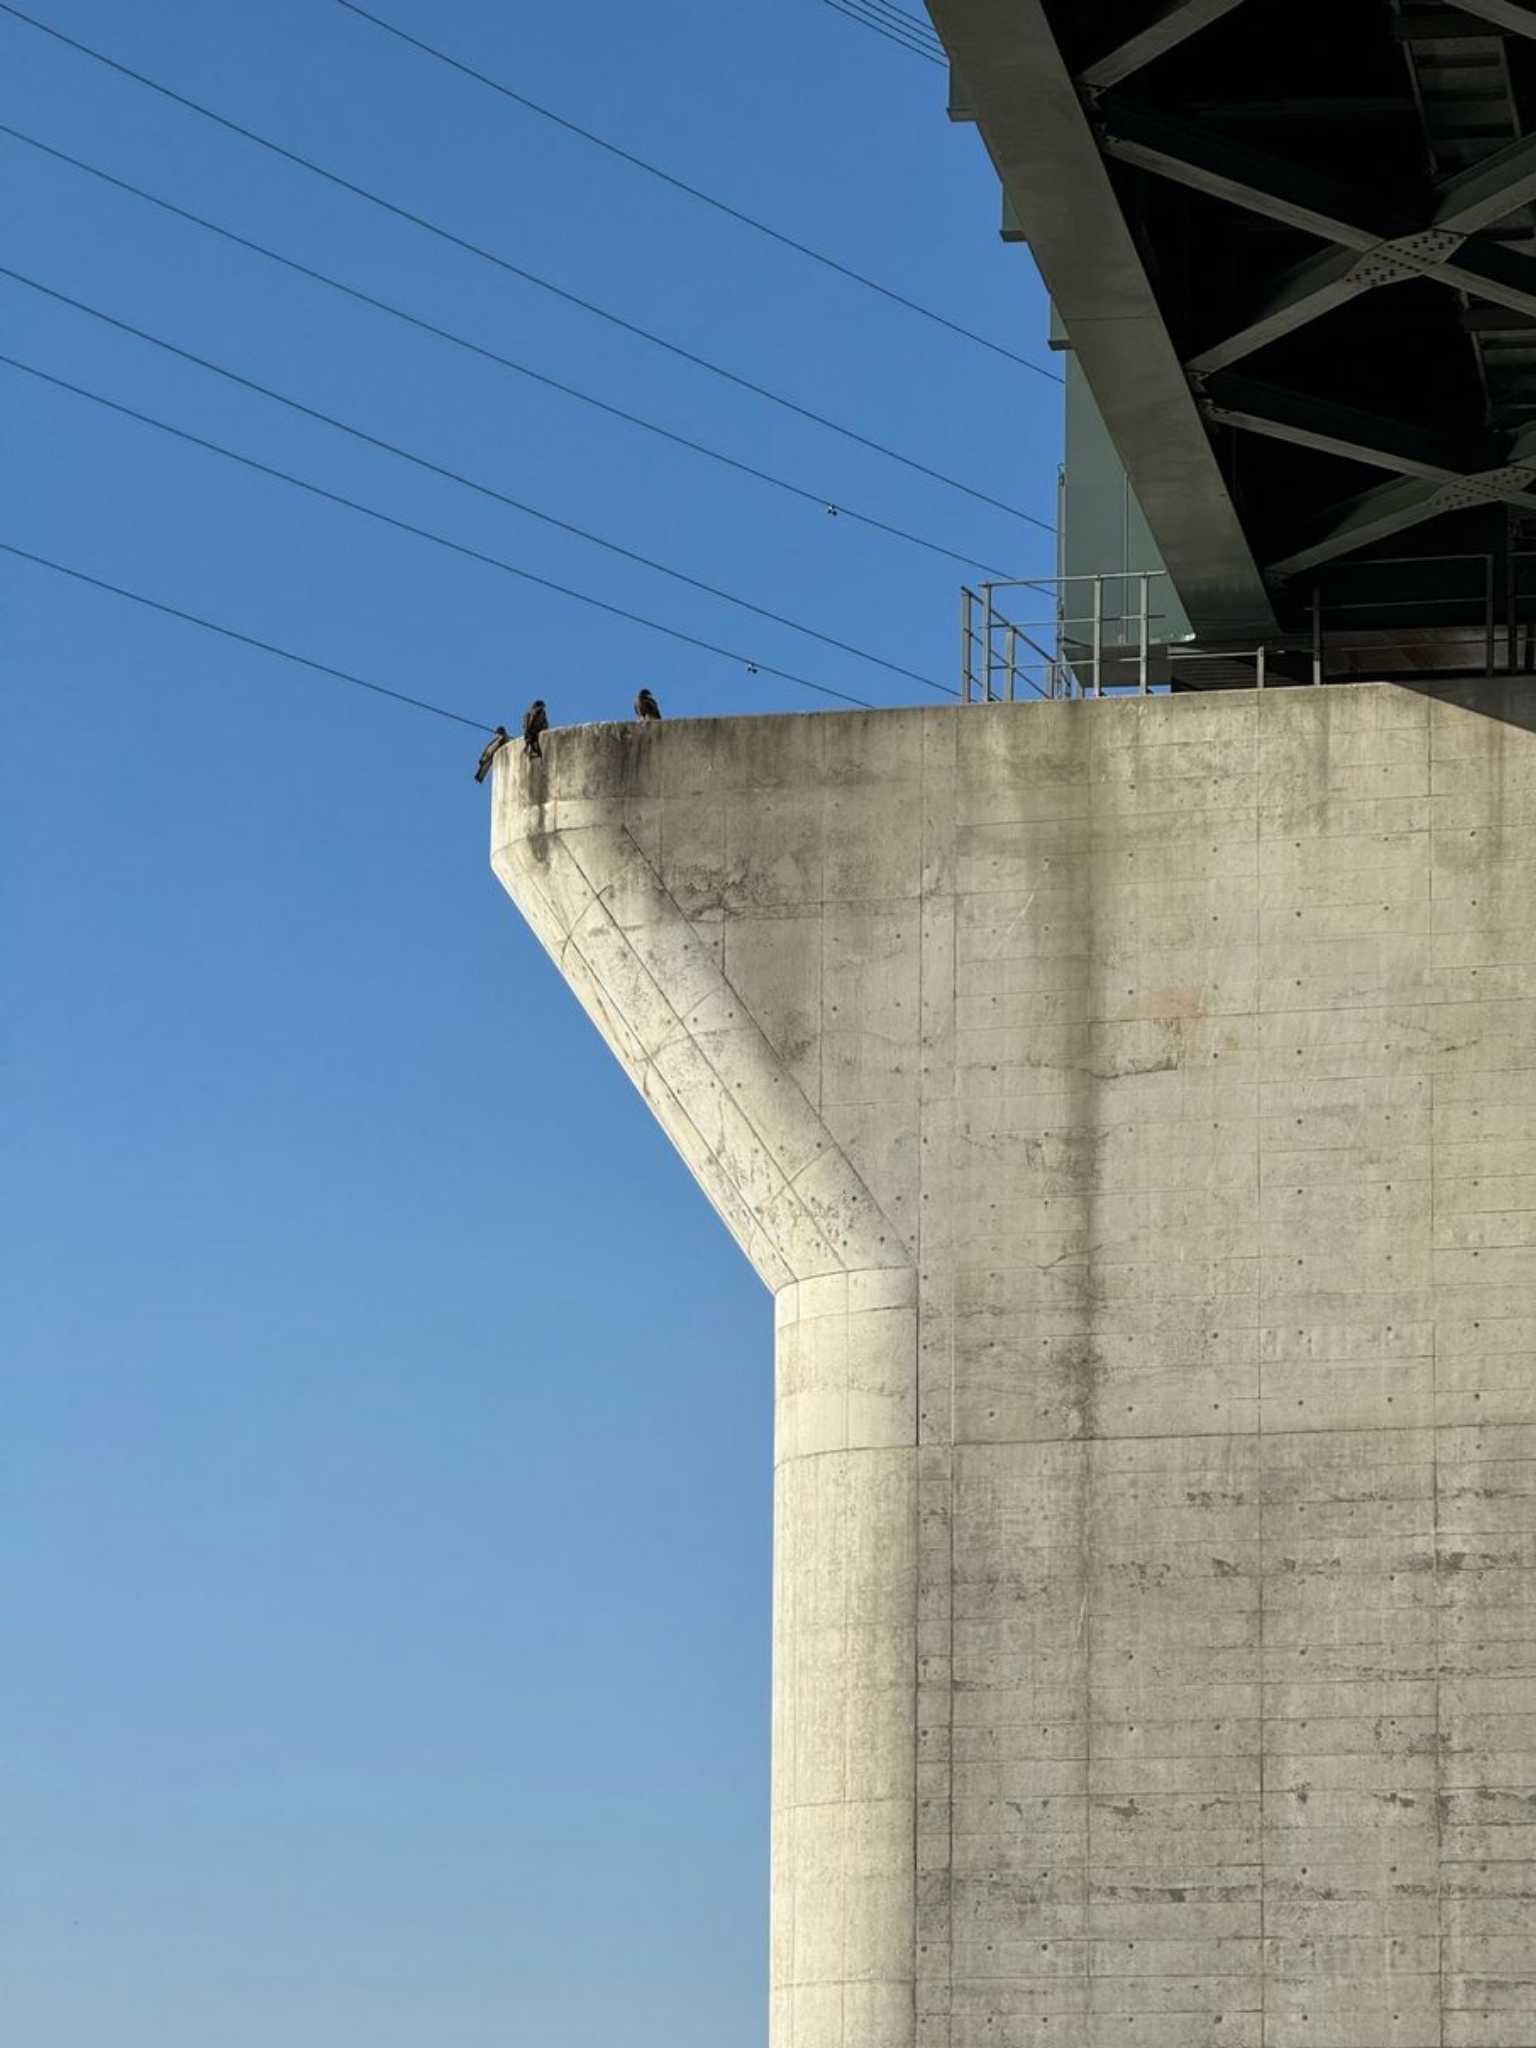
493, 746
535, 721
646, 706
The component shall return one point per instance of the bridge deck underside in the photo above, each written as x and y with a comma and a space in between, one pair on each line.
1294, 248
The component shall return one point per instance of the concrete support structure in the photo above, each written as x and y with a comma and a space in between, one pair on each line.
1132, 1107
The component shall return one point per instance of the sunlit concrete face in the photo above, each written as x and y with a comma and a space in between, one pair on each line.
1132, 1108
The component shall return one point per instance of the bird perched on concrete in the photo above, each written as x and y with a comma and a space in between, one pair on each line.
535, 721
499, 738
646, 706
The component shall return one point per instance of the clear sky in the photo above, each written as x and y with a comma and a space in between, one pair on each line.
386, 1498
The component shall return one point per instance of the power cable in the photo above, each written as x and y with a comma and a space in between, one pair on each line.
172, 611
424, 533
469, 483
504, 263
918, 23
817, 498
921, 32
692, 191
893, 32
852, 12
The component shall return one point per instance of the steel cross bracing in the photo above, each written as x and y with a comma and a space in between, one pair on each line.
1293, 245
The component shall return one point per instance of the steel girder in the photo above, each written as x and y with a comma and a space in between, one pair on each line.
1386, 249
1446, 474
1373, 249
1169, 26
1510, 15
1055, 115
1038, 135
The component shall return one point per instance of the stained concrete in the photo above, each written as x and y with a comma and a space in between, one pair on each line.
1132, 1108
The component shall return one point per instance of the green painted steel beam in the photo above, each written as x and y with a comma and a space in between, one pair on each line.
1169, 26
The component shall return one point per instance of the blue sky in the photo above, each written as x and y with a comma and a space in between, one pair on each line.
387, 1492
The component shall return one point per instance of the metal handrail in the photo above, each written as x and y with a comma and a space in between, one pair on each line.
1482, 602
1107, 634
990, 636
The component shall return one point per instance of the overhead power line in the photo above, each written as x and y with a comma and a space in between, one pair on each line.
469, 483
172, 611
746, 661
820, 499
917, 23
735, 213
504, 263
918, 27
868, 17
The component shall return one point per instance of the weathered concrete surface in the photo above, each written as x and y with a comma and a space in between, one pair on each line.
1133, 1109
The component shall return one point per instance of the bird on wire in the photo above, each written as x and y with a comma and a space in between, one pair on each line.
493, 746
646, 706
535, 721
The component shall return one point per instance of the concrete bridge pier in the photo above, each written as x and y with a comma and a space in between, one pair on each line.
1132, 1109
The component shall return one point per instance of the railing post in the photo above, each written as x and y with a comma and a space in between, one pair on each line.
967, 598
1143, 629
1488, 617
1258, 663
1098, 636
1317, 633
1511, 613
1062, 674
986, 643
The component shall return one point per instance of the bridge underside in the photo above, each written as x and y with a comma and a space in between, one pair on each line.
1293, 243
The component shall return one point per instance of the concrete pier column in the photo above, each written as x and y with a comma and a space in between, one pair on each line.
845, 1644
1131, 1107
